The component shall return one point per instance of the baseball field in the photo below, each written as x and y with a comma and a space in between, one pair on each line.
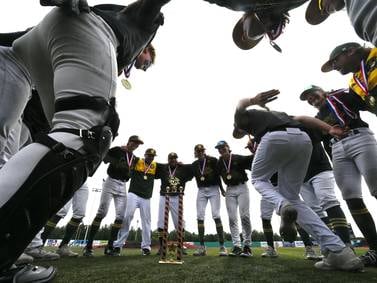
290, 266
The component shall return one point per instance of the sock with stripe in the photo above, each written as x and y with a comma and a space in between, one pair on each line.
201, 231
94, 227
70, 229
364, 221
49, 227
115, 227
268, 232
339, 223
220, 231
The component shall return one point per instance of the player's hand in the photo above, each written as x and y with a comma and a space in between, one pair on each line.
251, 145
263, 98
338, 132
75, 6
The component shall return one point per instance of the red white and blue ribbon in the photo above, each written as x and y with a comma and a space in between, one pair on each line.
338, 108
363, 85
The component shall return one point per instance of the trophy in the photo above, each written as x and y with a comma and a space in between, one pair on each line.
171, 251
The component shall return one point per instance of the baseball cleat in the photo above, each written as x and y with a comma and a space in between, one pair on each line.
369, 258
201, 251
288, 229
64, 251
40, 253
270, 252
246, 252
24, 259
310, 254
344, 260
223, 251
87, 252
236, 251
28, 273
145, 252
112, 251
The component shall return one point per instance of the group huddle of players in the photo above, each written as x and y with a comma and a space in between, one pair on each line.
72, 59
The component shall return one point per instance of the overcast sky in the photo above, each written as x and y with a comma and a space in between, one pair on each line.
189, 95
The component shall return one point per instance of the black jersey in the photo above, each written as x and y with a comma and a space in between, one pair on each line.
119, 160
142, 178
234, 174
343, 108
134, 26
206, 174
175, 178
259, 122
319, 162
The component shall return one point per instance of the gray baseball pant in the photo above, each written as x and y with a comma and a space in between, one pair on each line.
353, 157
288, 153
237, 197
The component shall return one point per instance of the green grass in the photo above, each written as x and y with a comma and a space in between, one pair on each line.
132, 267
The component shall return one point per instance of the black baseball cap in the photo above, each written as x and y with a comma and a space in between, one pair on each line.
309, 90
135, 139
221, 144
150, 151
172, 155
199, 147
328, 66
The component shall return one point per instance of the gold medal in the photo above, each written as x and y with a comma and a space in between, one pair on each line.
228, 177
126, 84
145, 177
202, 178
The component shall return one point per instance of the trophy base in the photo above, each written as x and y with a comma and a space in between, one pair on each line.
171, 261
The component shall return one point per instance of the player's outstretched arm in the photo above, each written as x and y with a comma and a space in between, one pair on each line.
75, 6
260, 99
315, 123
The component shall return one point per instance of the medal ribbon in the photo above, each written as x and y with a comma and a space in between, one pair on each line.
362, 84
227, 167
333, 101
149, 166
171, 174
201, 168
129, 160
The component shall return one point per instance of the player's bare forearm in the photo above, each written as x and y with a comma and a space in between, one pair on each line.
315, 123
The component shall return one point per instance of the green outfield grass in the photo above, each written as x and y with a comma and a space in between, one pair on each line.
132, 267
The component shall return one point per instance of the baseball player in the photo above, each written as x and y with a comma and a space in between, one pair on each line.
285, 149
260, 18
209, 187
139, 195
75, 77
174, 175
232, 168
351, 57
361, 13
353, 156
122, 160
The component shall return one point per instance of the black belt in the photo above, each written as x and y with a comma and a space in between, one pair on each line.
282, 129
350, 133
78, 132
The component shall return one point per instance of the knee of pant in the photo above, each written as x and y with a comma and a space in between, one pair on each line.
79, 214
330, 204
